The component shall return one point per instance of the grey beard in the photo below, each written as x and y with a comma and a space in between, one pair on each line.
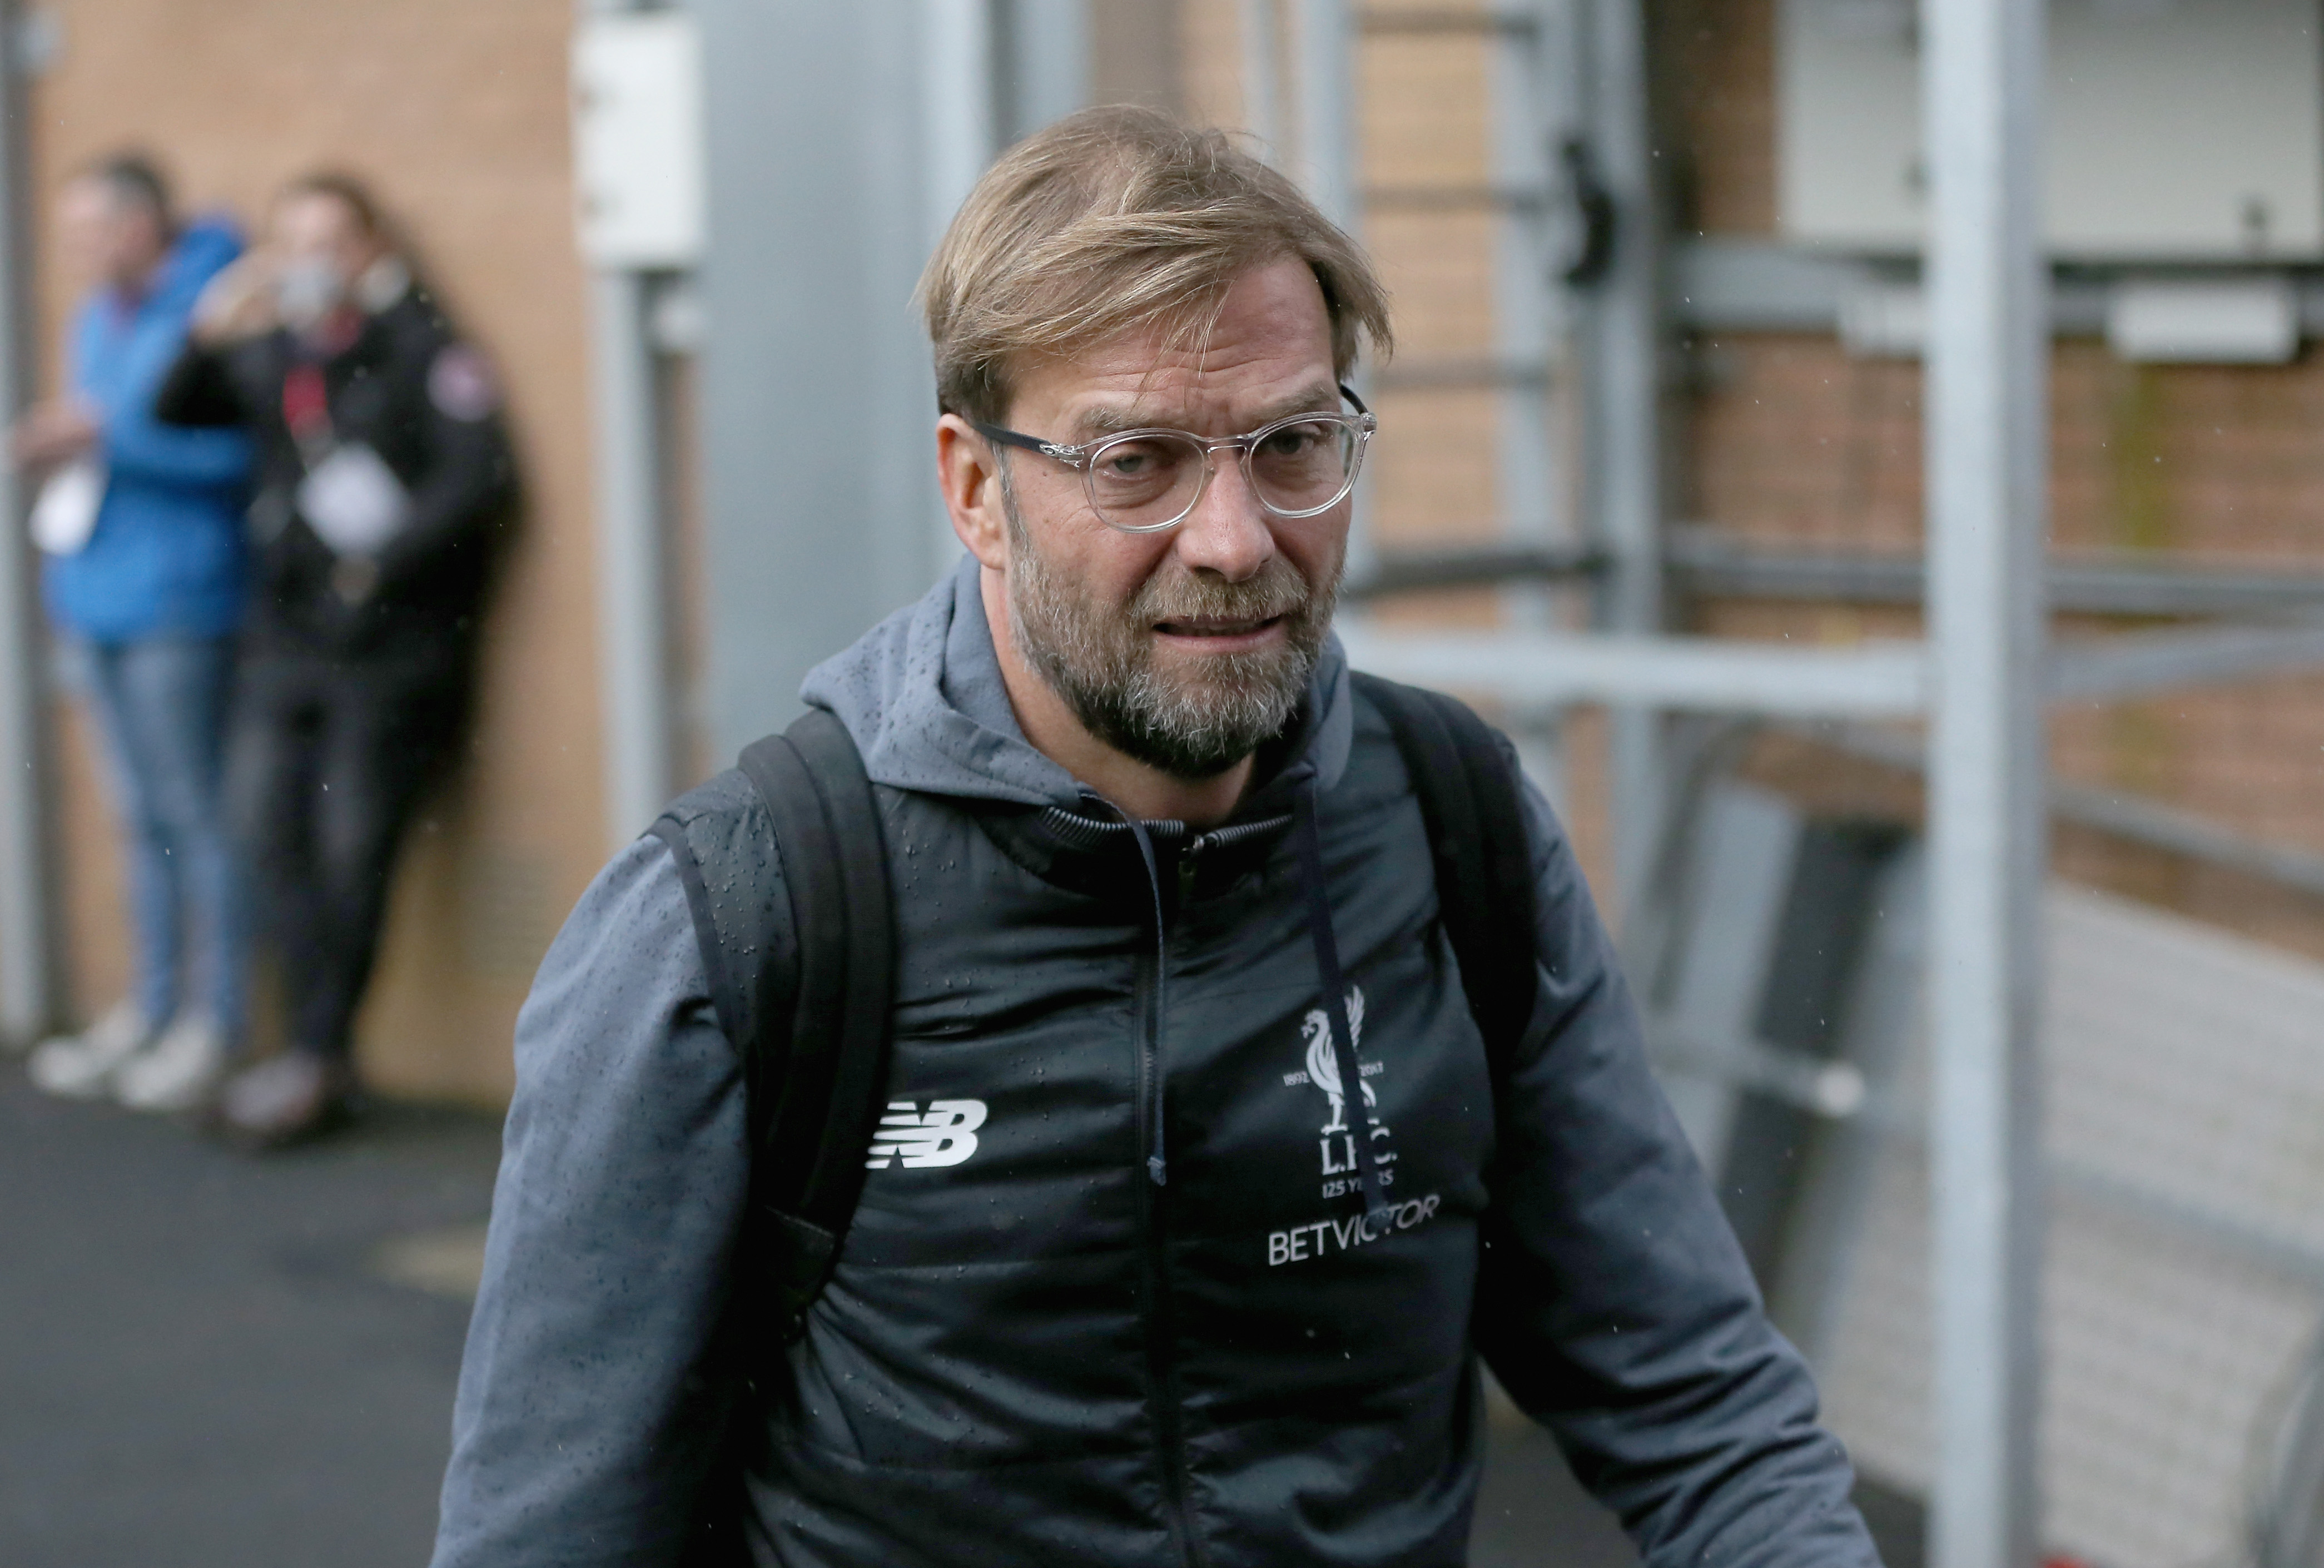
1188, 724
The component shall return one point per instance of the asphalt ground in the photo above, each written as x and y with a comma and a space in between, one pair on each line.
211, 1360
200, 1365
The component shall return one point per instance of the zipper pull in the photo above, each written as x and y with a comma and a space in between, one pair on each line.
1186, 867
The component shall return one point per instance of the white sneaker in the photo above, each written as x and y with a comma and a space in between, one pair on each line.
177, 1072
80, 1066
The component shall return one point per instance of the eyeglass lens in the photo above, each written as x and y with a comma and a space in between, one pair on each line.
1145, 481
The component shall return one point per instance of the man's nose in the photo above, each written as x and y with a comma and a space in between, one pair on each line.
1227, 532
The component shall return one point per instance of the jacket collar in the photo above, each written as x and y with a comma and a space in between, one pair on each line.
923, 696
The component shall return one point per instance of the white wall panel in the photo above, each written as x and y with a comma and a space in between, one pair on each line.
2179, 130
2185, 1267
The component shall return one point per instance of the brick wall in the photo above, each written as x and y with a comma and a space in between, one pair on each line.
1789, 440
457, 111
1784, 439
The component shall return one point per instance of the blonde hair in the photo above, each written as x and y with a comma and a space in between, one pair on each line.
1117, 219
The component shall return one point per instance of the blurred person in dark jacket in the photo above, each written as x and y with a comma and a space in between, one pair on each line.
142, 526
385, 487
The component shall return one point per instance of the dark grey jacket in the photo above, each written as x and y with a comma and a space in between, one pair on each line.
1107, 1298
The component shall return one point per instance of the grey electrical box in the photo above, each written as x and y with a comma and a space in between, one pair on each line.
2178, 130
637, 138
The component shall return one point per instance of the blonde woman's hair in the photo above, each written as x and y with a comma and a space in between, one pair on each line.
1114, 219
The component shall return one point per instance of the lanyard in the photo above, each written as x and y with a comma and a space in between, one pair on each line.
307, 411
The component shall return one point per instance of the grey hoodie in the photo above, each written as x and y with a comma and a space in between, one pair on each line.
1104, 1299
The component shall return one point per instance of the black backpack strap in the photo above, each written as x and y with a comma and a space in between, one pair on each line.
815, 1074
785, 871
785, 874
1471, 802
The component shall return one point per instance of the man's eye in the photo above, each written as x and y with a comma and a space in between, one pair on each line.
1132, 460
1296, 441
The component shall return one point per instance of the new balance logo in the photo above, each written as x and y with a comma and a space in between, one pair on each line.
946, 1134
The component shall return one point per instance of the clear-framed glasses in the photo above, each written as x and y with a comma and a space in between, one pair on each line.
1145, 481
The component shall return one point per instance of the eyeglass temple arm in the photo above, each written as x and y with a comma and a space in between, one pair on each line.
1007, 438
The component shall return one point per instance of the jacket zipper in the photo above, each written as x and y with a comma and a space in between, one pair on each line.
1161, 1370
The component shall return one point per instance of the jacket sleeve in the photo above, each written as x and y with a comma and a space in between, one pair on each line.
467, 476
1614, 1303
139, 442
587, 1417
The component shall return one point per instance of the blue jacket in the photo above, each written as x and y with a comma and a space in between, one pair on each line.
167, 553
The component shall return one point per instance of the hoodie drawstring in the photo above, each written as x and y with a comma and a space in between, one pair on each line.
1335, 1000
1327, 965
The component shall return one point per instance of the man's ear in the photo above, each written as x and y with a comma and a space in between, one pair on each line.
967, 473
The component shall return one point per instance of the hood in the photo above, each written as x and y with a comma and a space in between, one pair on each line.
921, 693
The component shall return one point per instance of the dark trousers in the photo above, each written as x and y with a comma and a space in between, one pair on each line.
328, 763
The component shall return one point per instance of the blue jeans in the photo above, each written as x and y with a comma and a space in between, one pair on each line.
161, 703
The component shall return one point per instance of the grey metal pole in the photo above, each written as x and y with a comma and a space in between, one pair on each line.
632, 656
29, 994
1326, 161
1624, 427
1531, 117
1523, 131
817, 401
1261, 76
1323, 35
637, 759
962, 122
1048, 65
1986, 437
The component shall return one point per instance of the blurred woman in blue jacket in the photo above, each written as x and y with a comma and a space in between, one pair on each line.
145, 581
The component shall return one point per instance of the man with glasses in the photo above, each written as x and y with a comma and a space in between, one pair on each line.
1201, 1185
